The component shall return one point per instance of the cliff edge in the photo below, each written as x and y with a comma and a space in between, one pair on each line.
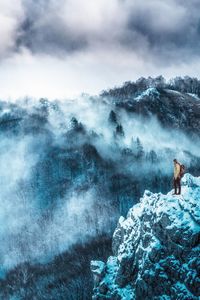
156, 249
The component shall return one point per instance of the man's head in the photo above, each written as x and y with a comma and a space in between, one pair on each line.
175, 160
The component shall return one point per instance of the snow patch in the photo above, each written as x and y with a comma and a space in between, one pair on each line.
195, 96
150, 92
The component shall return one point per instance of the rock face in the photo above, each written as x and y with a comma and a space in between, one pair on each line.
156, 249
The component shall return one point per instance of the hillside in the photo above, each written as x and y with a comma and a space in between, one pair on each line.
175, 104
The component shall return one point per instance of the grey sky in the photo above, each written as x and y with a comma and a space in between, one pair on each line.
59, 48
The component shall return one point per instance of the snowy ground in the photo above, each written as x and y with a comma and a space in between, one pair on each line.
155, 249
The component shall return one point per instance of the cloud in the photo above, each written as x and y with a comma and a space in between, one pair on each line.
165, 29
10, 18
65, 26
61, 27
44, 29
59, 48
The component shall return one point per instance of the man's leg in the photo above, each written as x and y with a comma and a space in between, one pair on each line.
179, 185
175, 186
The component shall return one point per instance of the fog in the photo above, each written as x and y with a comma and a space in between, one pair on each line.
46, 205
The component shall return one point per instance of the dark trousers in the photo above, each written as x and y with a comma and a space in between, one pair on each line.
177, 184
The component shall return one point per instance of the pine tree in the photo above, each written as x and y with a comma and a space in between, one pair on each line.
112, 117
139, 149
152, 156
119, 131
74, 123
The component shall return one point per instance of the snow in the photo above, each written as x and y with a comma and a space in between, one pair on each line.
150, 92
153, 236
195, 96
184, 291
173, 91
97, 266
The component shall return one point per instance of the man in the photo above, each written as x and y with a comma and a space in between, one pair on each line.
177, 177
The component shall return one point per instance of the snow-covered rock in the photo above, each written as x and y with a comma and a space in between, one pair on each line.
156, 249
150, 92
195, 96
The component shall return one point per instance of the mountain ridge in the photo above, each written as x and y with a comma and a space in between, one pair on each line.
174, 110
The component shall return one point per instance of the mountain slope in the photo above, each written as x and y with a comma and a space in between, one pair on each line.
155, 249
174, 109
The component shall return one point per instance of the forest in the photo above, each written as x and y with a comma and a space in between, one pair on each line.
76, 167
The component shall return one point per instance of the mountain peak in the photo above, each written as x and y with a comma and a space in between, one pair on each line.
155, 249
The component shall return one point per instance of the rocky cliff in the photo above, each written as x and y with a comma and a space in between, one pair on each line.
156, 249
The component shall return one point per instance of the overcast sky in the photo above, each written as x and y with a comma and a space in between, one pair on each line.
61, 48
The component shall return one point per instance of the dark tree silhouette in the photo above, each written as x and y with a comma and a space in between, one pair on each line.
112, 117
119, 131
